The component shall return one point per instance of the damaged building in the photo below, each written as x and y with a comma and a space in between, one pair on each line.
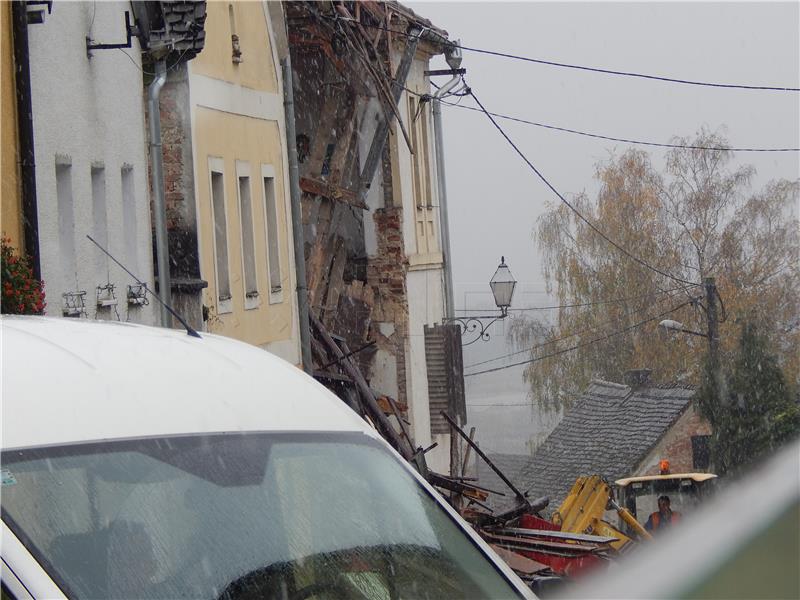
371, 216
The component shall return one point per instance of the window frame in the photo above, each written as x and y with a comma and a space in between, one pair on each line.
275, 292
217, 165
252, 299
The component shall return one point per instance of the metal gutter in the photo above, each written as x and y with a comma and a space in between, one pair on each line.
454, 61
297, 217
159, 203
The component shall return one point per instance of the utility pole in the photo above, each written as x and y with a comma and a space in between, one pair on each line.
712, 333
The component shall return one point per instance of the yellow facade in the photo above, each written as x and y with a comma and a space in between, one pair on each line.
232, 139
238, 141
11, 209
247, 21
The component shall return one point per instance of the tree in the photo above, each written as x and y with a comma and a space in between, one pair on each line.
694, 220
758, 412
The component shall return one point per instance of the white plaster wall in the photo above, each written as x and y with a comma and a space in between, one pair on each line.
424, 282
90, 111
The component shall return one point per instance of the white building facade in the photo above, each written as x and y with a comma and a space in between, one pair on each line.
91, 163
414, 181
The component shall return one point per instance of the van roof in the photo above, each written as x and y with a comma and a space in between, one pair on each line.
71, 380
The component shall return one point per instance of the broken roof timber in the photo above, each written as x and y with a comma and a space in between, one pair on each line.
331, 191
412, 17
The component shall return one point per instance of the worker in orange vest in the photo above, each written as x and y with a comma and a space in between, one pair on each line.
664, 518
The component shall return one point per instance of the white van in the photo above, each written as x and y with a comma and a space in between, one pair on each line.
145, 463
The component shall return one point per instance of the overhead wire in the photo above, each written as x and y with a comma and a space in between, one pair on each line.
566, 336
618, 139
569, 205
595, 303
601, 70
581, 345
145, 72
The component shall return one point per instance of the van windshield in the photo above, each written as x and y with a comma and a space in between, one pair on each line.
239, 516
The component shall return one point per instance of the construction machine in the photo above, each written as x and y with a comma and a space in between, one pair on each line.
583, 533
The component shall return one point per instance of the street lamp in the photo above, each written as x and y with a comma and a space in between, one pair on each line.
502, 285
670, 325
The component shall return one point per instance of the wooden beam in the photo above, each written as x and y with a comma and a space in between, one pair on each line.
329, 190
370, 402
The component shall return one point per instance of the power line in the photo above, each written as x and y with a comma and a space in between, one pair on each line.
581, 304
569, 205
623, 140
495, 405
563, 337
605, 71
168, 69
578, 346
429, 97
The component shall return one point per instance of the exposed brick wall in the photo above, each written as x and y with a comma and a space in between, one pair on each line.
176, 147
676, 444
176, 139
386, 276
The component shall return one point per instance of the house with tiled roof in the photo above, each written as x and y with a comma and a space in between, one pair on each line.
613, 430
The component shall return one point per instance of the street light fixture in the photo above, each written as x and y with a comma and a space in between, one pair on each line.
502, 285
670, 325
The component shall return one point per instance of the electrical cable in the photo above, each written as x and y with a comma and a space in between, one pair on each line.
605, 71
567, 336
569, 205
578, 346
581, 304
495, 405
168, 69
623, 140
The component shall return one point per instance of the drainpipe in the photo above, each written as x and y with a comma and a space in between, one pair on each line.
297, 217
159, 203
27, 159
453, 57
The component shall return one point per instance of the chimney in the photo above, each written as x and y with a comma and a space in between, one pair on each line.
636, 378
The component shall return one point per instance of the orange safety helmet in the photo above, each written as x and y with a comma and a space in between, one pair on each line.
664, 466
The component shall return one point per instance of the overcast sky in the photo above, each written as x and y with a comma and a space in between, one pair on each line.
495, 199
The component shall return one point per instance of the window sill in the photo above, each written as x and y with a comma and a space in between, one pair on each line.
224, 306
251, 302
423, 262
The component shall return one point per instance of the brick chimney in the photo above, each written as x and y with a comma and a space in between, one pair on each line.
637, 378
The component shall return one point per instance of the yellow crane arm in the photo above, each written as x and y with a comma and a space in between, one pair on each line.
630, 520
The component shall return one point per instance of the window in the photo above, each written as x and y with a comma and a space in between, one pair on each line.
700, 452
420, 167
129, 222
220, 235
271, 208
236, 516
248, 237
99, 211
66, 222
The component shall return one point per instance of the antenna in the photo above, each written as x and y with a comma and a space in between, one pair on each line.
189, 329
